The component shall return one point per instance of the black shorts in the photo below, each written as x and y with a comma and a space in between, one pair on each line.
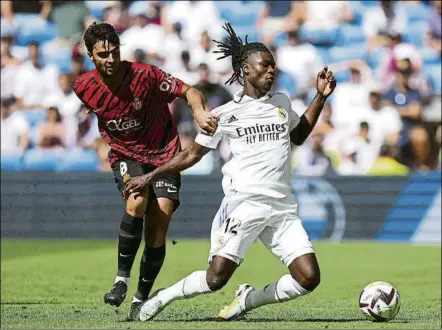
167, 186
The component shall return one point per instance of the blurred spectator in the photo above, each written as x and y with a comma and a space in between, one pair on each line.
438, 139
195, 18
204, 53
398, 52
151, 9
64, 98
350, 99
9, 67
323, 14
34, 80
311, 159
7, 41
172, 47
434, 35
139, 56
368, 149
299, 59
185, 72
15, 128
70, 18
384, 120
51, 133
10, 8
68, 104
378, 21
102, 150
77, 64
349, 164
144, 35
87, 130
116, 14
214, 93
386, 164
404, 61
275, 17
284, 82
408, 101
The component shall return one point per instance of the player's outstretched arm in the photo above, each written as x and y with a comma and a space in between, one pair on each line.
206, 121
182, 161
325, 85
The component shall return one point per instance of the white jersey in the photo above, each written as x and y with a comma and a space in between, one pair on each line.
258, 133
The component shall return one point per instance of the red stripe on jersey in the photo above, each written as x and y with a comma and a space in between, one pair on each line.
134, 120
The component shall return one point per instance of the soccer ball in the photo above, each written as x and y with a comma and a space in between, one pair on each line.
379, 301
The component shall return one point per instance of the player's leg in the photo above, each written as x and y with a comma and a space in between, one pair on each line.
230, 241
163, 203
289, 242
131, 230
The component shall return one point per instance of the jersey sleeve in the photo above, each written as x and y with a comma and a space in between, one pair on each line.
209, 141
168, 86
292, 114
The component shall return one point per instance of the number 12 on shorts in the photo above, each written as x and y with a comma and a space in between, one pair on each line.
231, 225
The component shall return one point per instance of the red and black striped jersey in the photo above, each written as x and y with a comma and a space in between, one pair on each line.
134, 119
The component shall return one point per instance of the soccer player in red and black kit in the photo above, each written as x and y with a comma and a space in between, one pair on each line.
130, 101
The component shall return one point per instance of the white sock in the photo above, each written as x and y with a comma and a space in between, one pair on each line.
124, 279
286, 288
190, 286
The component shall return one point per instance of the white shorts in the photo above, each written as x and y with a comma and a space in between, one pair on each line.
242, 219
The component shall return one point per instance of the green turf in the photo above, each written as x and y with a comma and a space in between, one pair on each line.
60, 284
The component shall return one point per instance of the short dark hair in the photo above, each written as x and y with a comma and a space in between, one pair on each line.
233, 46
364, 125
100, 32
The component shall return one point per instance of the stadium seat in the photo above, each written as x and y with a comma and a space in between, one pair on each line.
78, 160
350, 34
12, 161
319, 37
370, 3
429, 56
280, 39
357, 9
376, 56
416, 12
415, 33
39, 33
34, 116
342, 76
43, 159
433, 74
60, 56
353, 52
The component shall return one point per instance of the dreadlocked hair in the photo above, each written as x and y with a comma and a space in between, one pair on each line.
100, 32
233, 46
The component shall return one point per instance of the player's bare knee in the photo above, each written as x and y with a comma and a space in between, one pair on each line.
419, 135
305, 270
216, 282
136, 207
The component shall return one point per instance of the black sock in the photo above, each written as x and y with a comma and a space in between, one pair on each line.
151, 264
129, 240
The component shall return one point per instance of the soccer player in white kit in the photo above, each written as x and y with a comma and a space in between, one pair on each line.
258, 204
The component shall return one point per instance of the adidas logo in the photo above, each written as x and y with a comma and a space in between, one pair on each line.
232, 119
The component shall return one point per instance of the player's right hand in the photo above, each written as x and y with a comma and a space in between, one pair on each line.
207, 122
136, 184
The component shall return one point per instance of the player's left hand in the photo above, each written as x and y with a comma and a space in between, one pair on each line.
206, 121
136, 184
325, 82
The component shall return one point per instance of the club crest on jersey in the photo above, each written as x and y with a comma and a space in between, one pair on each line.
282, 113
137, 103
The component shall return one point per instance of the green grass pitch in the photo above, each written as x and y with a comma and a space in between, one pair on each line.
60, 284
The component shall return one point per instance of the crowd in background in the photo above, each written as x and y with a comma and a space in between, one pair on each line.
383, 118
